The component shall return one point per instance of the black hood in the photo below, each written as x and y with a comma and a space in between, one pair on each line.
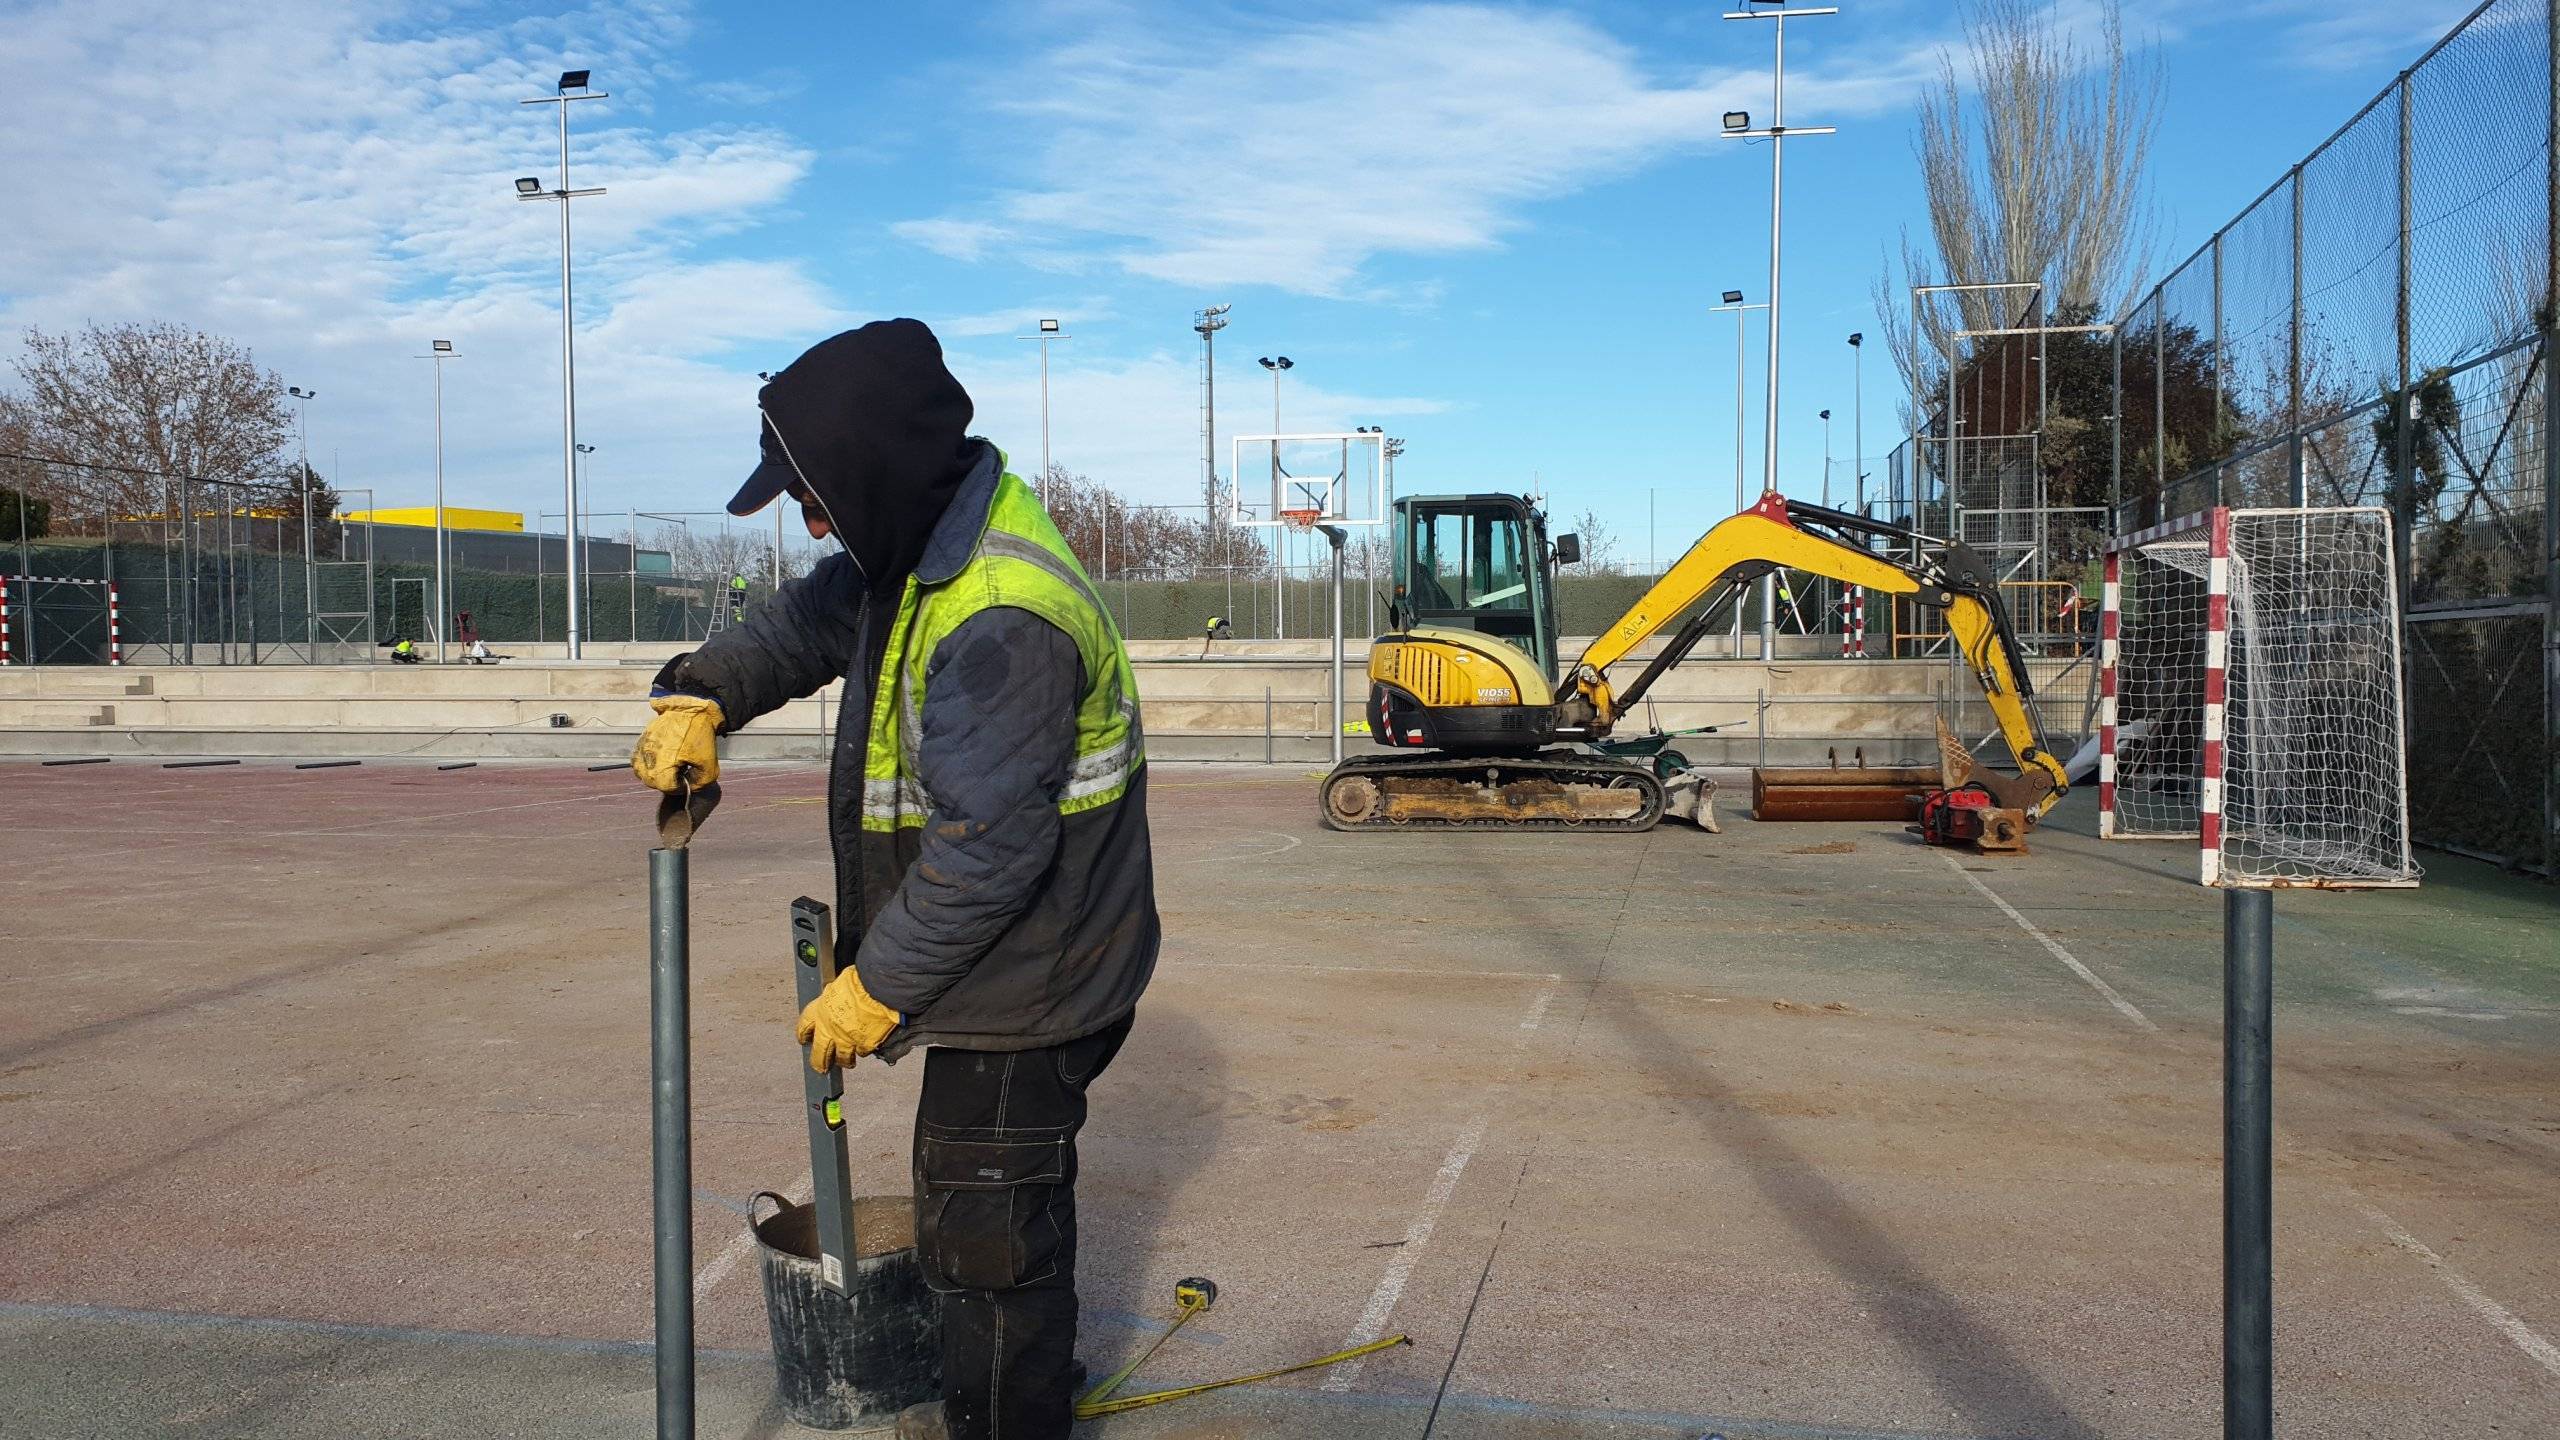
874, 423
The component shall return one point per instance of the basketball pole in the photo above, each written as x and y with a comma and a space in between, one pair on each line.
1337, 535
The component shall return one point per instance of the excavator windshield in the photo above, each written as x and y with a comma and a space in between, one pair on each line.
1475, 562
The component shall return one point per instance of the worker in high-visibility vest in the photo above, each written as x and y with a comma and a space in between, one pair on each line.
737, 598
995, 884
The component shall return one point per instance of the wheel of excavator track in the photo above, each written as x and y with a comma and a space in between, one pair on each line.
1351, 799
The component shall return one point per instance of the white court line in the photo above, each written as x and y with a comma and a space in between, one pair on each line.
1287, 843
1417, 1233
717, 1268
2123, 1006
1417, 1238
2542, 1352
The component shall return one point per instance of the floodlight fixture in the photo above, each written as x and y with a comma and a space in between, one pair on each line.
1048, 327
527, 186
298, 393
1737, 120
572, 80
1282, 363
1733, 297
1857, 338
441, 347
586, 449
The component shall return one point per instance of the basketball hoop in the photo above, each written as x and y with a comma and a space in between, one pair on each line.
1301, 520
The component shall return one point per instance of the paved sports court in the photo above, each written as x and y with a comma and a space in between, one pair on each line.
323, 1112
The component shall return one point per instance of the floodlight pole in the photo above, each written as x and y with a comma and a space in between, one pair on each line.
1858, 421
1048, 331
1776, 135
440, 352
1280, 573
568, 346
1209, 322
310, 575
1741, 424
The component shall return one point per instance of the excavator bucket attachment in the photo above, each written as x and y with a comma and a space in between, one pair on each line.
1955, 763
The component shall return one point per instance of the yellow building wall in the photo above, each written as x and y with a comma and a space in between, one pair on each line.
456, 517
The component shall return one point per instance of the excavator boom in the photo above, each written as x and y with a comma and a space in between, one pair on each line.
1768, 536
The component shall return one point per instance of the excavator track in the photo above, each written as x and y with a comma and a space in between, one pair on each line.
1551, 790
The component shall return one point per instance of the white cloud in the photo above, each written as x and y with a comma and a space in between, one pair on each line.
2349, 35
1294, 154
963, 240
330, 184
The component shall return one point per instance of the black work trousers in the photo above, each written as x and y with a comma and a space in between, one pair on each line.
995, 1172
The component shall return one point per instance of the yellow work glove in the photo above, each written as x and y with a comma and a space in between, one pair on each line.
684, 736
844, 1022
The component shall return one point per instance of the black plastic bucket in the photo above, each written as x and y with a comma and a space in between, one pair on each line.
855, 1359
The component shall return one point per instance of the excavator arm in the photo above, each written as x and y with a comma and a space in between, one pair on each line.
1769, 536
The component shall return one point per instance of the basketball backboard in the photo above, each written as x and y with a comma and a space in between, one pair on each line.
1341, 478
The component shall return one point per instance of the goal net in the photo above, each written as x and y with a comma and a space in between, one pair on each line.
2250, 696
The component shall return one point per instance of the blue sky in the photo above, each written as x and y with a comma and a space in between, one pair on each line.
1493, 229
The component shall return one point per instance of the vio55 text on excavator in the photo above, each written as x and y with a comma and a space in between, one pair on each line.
1487, 729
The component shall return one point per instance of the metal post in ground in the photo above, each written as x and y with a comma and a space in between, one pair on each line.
1266, 725
2248, 1143
671, 1136
1337, 534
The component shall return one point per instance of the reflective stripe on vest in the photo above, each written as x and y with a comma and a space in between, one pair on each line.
1021, 562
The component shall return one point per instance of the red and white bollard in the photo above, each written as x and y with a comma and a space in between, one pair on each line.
1853, 623
115, 627
6, 657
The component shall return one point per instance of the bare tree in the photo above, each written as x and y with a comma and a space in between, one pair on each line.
1599, 544
1114, 537
721, 553
2032, 158
162, 399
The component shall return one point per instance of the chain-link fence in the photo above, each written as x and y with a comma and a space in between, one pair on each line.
2376, 329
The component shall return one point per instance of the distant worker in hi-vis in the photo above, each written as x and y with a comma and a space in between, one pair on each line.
995, 894
737, 597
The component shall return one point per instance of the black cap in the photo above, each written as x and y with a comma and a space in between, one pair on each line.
773, 474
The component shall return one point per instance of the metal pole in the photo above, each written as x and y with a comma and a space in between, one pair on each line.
443, 598
2248, 1150
310, 571
2298, 482
671, 1137
1337, 535
187, 557
2404, 504
1044, 409
2550, 454
1769, 421
2220, 474
1209, 423
568, 398
634, 522
1858, 424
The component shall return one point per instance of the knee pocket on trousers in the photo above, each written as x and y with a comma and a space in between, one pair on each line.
989, 1217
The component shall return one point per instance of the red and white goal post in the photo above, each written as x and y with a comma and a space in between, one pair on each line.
2249, 696
18, 595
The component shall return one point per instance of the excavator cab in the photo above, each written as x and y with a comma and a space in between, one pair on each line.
1480, 563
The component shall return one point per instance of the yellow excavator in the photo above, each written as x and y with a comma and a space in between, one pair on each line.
1494, 736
